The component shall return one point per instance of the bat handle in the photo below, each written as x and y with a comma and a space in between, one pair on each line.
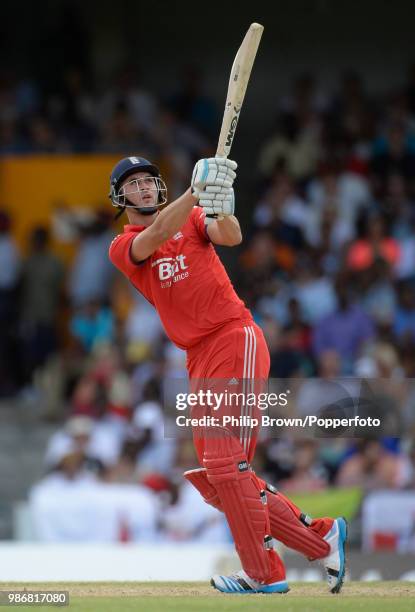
221, 152
209, 218
215, 217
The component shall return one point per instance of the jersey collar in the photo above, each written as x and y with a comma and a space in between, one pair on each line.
133, 228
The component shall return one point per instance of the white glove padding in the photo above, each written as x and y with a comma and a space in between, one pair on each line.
216, 171
218, 201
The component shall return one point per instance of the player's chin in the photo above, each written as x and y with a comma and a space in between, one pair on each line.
149, 209
148, 212
148, 203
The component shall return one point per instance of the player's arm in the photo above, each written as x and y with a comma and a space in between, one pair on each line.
168, 223
215, 173
219, 205
225, 232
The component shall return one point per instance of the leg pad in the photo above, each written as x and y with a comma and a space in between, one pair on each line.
239, 494
287, 522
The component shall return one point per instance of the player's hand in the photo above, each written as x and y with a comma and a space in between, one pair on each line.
217, 201
215, 172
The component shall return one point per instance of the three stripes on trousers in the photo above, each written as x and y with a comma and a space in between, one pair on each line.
248, 385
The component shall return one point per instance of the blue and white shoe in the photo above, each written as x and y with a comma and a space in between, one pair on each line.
335, 562
241, 583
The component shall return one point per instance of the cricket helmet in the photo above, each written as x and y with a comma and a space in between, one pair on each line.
121, 171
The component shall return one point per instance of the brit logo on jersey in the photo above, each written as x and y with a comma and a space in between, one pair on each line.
171, 269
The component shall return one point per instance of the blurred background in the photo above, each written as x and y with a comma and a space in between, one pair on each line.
326, 198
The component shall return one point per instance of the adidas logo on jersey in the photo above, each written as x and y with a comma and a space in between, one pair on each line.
177, 236
233, 381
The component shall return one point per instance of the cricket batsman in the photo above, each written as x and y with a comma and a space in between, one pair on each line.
167, 252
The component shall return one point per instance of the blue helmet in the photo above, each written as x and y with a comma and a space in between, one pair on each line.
122, 170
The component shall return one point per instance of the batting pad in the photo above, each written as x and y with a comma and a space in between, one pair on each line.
287, 527
285, 524
245, 508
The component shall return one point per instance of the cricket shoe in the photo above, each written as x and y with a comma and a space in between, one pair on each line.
241, 583
335, 562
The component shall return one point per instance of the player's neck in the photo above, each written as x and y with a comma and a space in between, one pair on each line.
135, 218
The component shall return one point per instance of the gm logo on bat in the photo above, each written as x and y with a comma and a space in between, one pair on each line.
232, 127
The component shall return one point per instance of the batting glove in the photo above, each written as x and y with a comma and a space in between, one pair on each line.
215, 172
217, 201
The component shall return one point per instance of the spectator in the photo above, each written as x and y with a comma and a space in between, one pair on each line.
375, 243
92, 272
351, 112
397, 207
9, 278
394, 152
120, 134
301, 331
74, 111
404, 321
260, 265
373, 467
142, 328
282, 212
308, 474
286, 358
344, 331
128, 93
154, 453
281, 202
192, 106
86, 398
295, 142
42, 137
329, 391
111, 427
313, 291
378, 292
41, 297
11, 141
91, 325
75, 436
344, 192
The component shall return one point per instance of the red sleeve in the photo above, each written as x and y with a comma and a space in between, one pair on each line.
198, 219
120, 253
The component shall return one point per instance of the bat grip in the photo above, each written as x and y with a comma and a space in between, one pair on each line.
220, 152
213, 217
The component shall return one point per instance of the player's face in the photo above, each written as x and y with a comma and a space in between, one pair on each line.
140, 189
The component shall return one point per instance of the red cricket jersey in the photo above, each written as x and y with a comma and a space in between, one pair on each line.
185, 281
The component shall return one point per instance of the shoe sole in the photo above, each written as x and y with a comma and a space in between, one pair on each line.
253, 592
343, 528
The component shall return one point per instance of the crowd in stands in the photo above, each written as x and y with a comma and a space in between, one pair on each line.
327, 267
76, 118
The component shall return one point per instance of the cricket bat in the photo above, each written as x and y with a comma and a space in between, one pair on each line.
238, 83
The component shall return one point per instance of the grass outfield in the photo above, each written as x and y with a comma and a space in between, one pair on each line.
164, 596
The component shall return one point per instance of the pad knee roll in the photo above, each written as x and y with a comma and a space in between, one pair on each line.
198, 478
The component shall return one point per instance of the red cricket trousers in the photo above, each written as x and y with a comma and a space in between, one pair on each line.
235, 359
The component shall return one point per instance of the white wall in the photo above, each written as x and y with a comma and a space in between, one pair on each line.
102, 562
